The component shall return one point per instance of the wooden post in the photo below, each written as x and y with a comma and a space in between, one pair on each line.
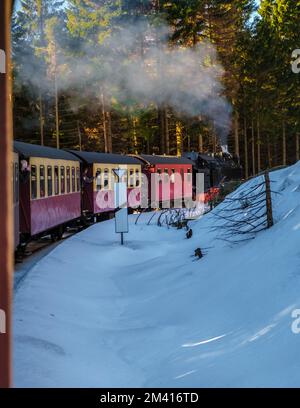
6, 225
246, 149
270, 221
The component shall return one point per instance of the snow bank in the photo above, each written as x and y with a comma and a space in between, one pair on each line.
95, 314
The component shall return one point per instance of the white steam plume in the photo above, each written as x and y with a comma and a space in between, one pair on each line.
136, 64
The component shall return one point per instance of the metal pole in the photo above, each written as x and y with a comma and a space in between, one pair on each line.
6, 225
122, 238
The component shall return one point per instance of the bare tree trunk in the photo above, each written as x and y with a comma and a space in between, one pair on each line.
148, 145
214, 142
161, 123
236, 135
42, 44
269, 153
104, 122
166, 131
160, 73
200, 143
41, 119
297, 147
56, 110
179, 138
270, 220
109, 132
246, 149
79, 136
283, 144
258, 147
134, 134
253, 149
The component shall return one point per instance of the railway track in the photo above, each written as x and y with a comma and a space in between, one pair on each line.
35, 251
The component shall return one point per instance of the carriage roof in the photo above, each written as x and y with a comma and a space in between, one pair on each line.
31, 150
155, 159
108, 158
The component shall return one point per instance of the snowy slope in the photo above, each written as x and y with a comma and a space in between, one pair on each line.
93, 313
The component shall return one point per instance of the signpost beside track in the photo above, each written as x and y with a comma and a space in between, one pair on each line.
120, 194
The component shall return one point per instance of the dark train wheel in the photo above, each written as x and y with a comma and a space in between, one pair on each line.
57, 234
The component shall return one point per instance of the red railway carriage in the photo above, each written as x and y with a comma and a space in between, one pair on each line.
98, 180
15, 185
49, 189
174, 177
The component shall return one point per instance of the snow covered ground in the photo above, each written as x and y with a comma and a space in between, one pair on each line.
95, 314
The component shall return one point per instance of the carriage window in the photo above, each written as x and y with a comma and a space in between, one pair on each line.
131, 178
73, 180
98, 179
49, 181
189, 176
124, 178
33, 183
166, 171
56, 181
106, 178
16, 183
68, 180
62, 180
159, 175
137, 178
42, 181
182, 175
78, 178
172, 178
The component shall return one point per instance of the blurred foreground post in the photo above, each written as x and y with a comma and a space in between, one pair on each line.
6, 207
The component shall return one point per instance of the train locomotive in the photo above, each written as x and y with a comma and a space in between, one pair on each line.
54, 189
217, 169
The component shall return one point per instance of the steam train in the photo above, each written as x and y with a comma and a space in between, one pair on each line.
53, 189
